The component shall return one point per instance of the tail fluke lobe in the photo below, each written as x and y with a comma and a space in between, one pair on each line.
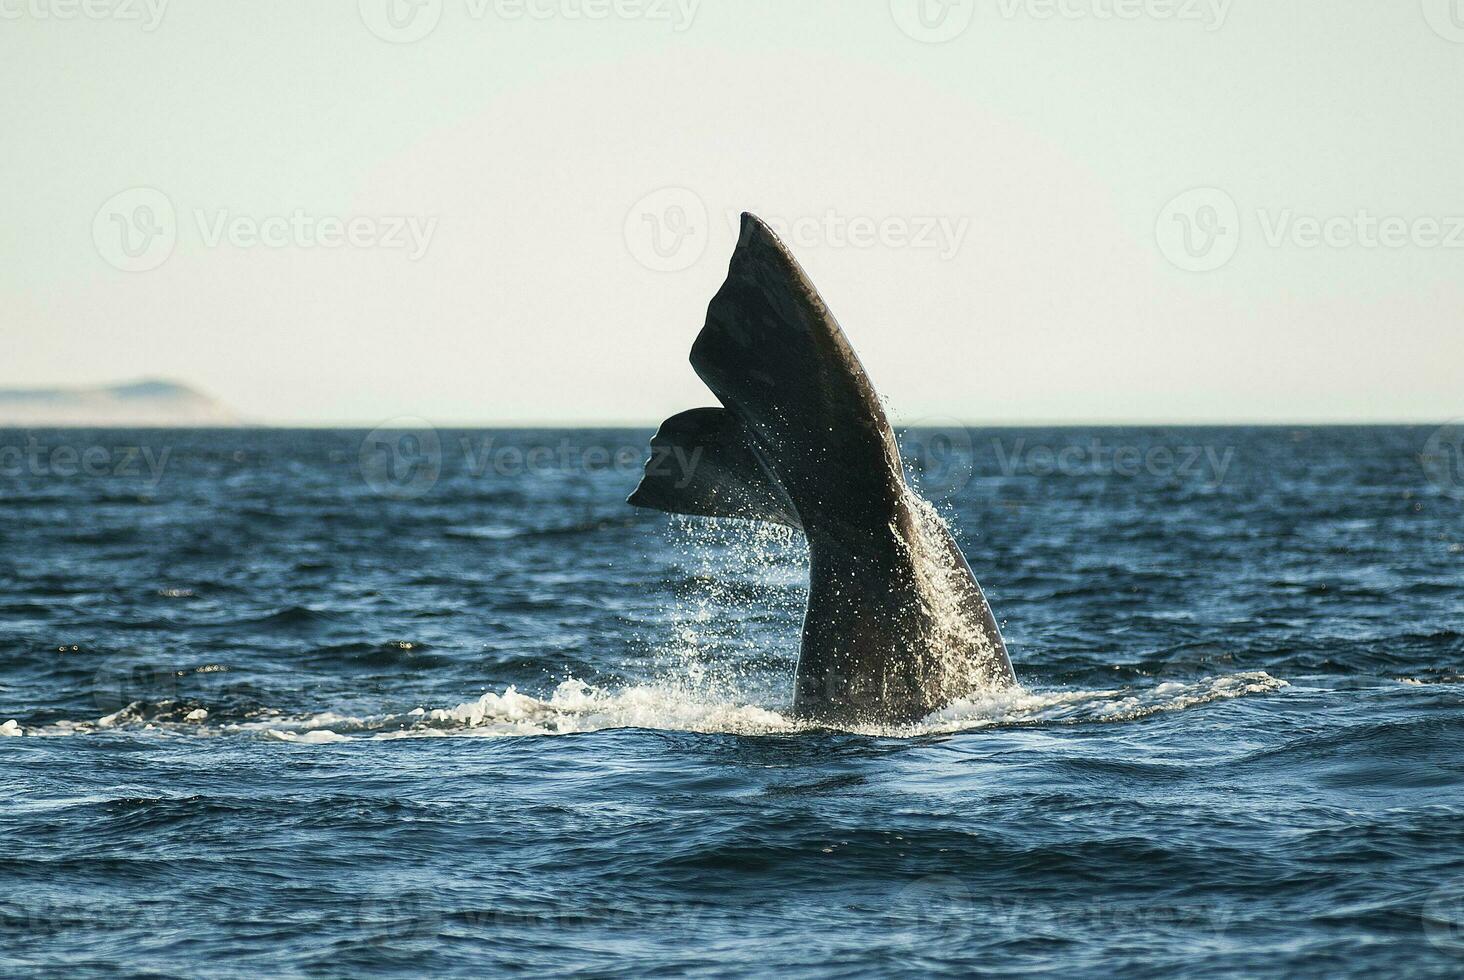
775, 356
701, 464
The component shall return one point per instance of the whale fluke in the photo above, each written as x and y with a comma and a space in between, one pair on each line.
896, 625
702, 464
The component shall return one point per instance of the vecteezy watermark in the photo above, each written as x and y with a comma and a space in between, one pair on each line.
938, 455
419, 915
1443, 918
405, 917
1361, 229
945, 911
943, 234
173, 687
1211, 14
678, 14
137, 230
125, 680
941, 458
667, 230
401, 459
404, 458
935, 910
483, 456
412, 233
1200, 230
1099, 458
933, 21
23, 917
146, 13
400, 21
405, 21
68, 460
1446, 17
1443, 459
937, 21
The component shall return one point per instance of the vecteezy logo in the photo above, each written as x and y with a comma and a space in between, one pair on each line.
125, 679
1446, 17
933, 21
936, 910
396, 918
1443, 918
401, 459
1199, 230
136, 230
939, 455
400, 21
1443, 459
666, 231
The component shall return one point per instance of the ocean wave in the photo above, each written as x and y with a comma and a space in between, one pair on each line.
501, 532
575, 707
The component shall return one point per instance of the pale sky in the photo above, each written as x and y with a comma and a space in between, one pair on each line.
545, 195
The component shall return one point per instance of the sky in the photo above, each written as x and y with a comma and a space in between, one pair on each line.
480, 211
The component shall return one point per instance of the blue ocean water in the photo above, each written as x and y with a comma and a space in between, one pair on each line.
331, 703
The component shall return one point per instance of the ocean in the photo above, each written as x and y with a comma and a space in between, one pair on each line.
339, 703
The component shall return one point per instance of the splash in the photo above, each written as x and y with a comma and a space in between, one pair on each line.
740, 593
575, 707
964, 658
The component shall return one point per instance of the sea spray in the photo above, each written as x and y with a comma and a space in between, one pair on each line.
736, 607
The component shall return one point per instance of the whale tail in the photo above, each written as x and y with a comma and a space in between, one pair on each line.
703, 464
802, 440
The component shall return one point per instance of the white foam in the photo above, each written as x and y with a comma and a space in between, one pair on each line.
321, 736
575, 706
11, 729
578, 707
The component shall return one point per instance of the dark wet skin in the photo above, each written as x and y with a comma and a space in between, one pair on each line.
896, 624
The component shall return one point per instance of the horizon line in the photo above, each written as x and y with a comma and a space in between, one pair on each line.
1068, 423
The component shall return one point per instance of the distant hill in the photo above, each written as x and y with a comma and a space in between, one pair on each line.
151, 402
